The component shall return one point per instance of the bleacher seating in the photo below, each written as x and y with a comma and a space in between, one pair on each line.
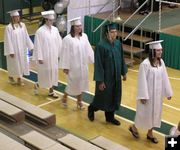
32, 111
77, 143
11, 112
40, 141
107, 144
7, 143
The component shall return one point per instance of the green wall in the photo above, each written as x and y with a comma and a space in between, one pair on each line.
95, 37
2, 57
7, 5
171, 52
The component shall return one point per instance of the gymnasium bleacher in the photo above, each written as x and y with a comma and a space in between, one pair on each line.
38, 133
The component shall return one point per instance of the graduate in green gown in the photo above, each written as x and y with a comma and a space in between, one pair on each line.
109, 66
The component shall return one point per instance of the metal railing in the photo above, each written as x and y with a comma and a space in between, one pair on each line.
92, 16
106, 18
134, 30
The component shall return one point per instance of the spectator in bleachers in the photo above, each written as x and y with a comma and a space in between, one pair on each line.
109, 66
16, 45
144, 9
77, 53
47, 49
147, 7
153, 86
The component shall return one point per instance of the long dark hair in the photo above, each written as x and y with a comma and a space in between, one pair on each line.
72, 31
152, 55
12, 23
42, 22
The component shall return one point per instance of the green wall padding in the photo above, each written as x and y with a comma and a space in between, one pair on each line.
2, 57
94, 37
7, 5
171, 53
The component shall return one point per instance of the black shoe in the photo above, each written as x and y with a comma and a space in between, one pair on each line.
114, 121
90, 114
152, 139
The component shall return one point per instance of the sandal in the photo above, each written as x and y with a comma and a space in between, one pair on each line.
12, 81
53, 95
64, 102
152, 139
134, 133
36, 86
80, 105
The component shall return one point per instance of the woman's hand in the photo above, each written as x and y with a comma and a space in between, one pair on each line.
143, 101
40, 61
169, 98
66, 71
12, 55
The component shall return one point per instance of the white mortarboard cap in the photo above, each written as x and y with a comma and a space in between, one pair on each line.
155, 44
75, 21
50, 14
14, 12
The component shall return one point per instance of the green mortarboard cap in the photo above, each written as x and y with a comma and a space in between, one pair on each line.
111, 26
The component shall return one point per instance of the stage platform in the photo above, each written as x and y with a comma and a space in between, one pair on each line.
169, 20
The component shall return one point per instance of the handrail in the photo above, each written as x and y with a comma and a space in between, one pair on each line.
135, 12
166, 2
107, 18
92, 16
134, 30
102, 7
137, 27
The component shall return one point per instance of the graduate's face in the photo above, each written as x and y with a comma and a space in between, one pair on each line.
49, 22
158, 53
78, 29
15, 19
112, 34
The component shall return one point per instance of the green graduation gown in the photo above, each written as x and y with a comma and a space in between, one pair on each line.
108, 67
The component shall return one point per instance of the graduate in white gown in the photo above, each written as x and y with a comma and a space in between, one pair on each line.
47, 49
16, 45
153, 86
76, 55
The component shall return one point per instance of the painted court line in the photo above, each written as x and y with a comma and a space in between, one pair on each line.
52, 101
171, 107
177, 109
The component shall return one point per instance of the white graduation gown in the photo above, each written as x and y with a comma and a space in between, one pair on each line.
17, 42
76, 55
47, 47
153, 85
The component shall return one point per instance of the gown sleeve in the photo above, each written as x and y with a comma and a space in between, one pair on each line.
37, 53
99, 64
65, 54
167, 86
142, 90
8, 47
59, 44
89, 51
28, 40
124, 66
